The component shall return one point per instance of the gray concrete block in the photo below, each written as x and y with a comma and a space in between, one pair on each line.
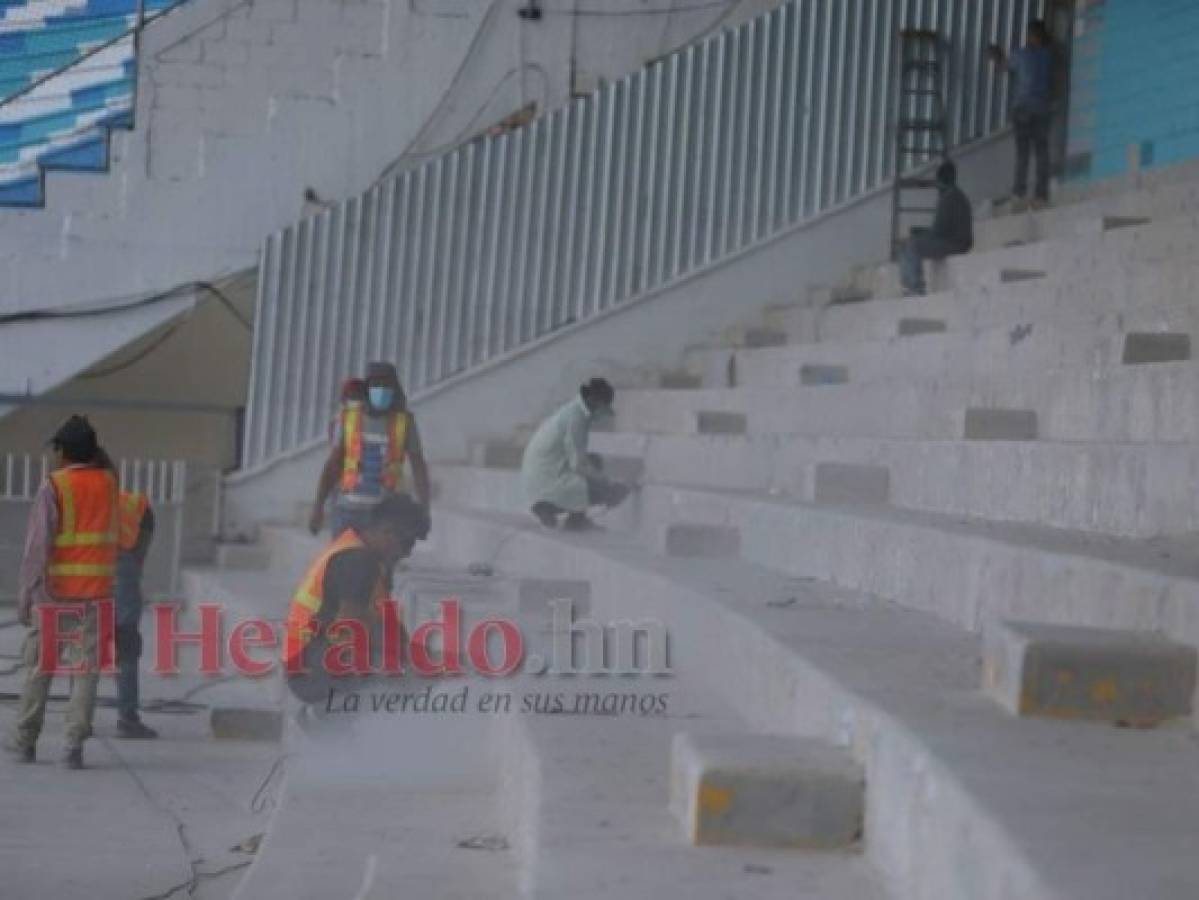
914, 326
711, 422
706, 541
835, 482
245, 557
1114, 223
766, 791
233, 723
823, 375
534, 596
497, 454
849, 294
629, 469
679, 381
986, 424
1072, 672
764, 337
1011, 276
1156, 347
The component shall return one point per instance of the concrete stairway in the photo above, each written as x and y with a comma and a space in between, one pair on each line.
835, 503
884, 479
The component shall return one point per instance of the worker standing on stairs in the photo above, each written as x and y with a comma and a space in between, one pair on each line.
952, 232
70, 565
366, 462
1032, 70
346, 581
559, 474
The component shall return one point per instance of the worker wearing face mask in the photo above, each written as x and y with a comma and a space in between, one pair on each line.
366, 462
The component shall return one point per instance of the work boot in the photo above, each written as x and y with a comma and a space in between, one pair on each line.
73, 758
579, 522
22, 753
135, 730
545, 514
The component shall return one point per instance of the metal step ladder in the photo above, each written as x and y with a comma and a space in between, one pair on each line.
921, 129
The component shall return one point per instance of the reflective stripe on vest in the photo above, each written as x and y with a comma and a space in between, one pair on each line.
309, 597
397, 443
82, 564
133, 509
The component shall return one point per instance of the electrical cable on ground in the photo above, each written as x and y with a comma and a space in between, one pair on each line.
261, 800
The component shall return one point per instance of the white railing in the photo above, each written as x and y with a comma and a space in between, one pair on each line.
655, 177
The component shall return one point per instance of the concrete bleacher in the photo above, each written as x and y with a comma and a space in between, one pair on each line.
835, 504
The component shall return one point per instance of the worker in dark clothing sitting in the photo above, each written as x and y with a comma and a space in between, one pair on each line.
952, 232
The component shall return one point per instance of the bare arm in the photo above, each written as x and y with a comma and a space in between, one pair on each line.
420, 468
324, 487
39, 542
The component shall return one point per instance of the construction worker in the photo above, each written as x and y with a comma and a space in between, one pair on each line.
1032, 68
558, 473
366, 462
70, 564
346, 581
136, 533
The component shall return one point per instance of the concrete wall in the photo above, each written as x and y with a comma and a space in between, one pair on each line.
1135, 86
629, 344
243, 105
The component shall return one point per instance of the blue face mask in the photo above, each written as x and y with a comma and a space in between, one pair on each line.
381, 397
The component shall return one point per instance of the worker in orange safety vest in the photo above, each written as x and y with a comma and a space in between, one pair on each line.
366, 463
69, 565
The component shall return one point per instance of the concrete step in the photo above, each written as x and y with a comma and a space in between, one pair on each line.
1072, 257
592, 798
1119, 489
1095, 344
1144, 291
413, 802
1158, 201
1123, 403
1008, 801
964, 570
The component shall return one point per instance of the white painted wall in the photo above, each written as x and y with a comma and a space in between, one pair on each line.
629, 344
243, 104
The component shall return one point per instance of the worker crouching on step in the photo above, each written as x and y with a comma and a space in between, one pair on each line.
560, 476
346, 581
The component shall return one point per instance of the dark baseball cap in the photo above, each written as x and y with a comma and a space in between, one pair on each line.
599, 392
76, 439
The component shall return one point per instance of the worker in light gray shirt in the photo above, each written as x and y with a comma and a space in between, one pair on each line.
558, 473
952, 232
1032, 70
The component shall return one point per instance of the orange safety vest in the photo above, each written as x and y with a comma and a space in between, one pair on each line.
83, 563
397, 441
309, 597
133, 509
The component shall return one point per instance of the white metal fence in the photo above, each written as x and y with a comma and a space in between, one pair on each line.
163, 481
654, 177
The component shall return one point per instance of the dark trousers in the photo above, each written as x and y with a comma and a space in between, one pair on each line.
1032, 133
919, 247
129, 651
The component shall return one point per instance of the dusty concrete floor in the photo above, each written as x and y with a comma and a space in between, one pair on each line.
146, 820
